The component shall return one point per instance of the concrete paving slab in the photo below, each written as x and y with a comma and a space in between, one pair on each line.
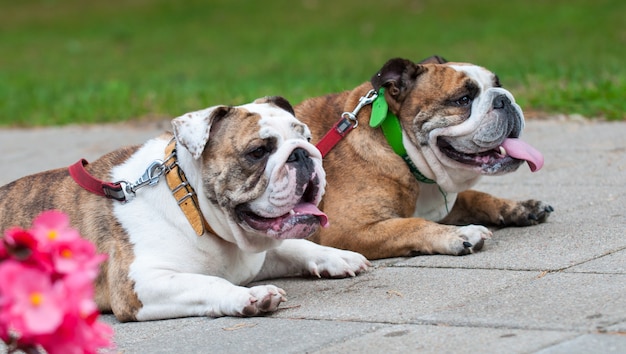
459, 297
444, 339
553, 301
611, 263
390, 294
590, 343
235, 335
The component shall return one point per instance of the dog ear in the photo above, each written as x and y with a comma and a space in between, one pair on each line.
277, 101
435, 59
192, 129
397, 76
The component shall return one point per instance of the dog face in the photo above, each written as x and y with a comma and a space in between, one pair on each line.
458, 122
260, 174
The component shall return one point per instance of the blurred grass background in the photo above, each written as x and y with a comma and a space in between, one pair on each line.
77, 61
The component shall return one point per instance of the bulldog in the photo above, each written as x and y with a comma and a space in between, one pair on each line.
225, 200
408, 147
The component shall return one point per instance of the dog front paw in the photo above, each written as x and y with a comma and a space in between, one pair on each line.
526, 213
468, 239
262, 299
331, 262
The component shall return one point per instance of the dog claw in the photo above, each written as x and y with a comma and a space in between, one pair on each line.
467, 244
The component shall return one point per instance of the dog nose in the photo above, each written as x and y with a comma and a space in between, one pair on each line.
501, 102
298, 155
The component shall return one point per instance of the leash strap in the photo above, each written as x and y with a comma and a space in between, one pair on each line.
347, 122
334, 135
90, 183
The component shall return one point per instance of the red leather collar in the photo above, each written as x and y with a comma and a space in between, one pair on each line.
111, 190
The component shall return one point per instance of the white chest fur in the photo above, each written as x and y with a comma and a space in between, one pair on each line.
432, 204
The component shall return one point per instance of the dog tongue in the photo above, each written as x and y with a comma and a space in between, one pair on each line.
519, 149
309, 208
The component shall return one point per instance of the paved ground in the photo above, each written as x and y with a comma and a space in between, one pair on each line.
555, 288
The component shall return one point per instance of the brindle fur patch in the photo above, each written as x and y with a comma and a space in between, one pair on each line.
24, 199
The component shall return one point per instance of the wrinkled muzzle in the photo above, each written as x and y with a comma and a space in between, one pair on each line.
288, 207
489, 139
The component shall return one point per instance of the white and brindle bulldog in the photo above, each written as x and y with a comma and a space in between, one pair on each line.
257, 182
398, 183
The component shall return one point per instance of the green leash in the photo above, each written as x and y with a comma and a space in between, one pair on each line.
382, 117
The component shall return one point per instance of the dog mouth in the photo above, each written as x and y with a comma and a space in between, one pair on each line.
512, 151
301, 221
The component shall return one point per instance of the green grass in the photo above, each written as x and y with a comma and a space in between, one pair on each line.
77, 61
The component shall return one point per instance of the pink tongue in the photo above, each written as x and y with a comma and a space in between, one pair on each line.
519, 149
308, 208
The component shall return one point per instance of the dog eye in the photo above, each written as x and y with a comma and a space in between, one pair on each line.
463, 101
259, 153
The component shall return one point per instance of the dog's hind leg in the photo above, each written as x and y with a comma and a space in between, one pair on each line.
473, 207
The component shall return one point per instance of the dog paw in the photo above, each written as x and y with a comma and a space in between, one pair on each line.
526, 213
468, 239
331, 262
262, 299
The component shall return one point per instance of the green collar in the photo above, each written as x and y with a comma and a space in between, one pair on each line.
382, 117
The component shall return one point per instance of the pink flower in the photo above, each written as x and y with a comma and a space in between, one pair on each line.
76, 256
79, 332
77, 336
53, 226
46, 289
31, 302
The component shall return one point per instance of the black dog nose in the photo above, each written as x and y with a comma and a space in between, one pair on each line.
500, 102
298, 155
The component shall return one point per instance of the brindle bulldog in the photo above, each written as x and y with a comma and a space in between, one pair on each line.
399, 183
226, 200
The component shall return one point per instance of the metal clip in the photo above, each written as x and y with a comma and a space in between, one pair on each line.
363, 101
367, 99
129, 194
149, 178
